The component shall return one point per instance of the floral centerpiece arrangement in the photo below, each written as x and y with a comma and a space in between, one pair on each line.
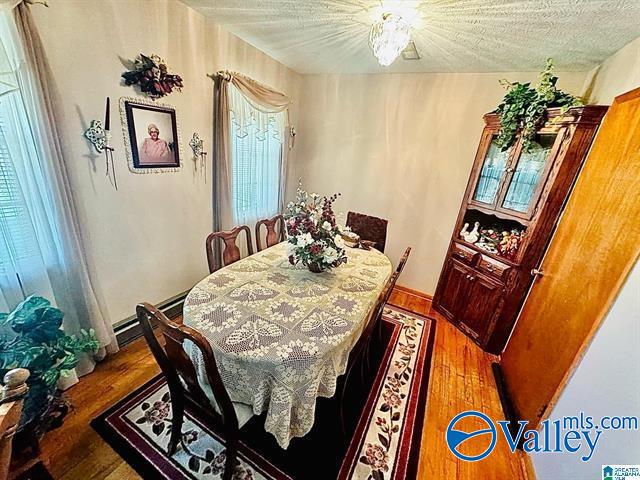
313, 237
151, 73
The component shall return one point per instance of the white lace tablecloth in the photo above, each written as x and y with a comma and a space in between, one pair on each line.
281, 335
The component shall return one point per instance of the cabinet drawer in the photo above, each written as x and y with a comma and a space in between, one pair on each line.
493, 267
460, 252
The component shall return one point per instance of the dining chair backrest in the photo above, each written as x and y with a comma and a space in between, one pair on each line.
274, 235
177, 366
369, 228
397, 272
376, 311
231, 252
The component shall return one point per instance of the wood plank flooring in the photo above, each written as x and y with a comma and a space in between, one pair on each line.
461, 379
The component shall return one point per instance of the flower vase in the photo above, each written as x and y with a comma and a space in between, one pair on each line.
315, 267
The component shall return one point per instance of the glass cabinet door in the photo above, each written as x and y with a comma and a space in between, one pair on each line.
491, 174
528, 173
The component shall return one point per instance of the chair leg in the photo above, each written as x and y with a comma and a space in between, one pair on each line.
343, 394
232, 454
177, 407
380, 332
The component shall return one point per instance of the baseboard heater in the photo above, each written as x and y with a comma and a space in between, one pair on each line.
507, 404
129, 329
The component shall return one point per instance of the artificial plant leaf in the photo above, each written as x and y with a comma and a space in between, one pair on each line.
68, 362
23, 313
51, 377
42, 325
38, 359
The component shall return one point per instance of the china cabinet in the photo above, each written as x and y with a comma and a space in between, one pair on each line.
513, 200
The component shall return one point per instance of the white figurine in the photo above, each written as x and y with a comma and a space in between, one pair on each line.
464, 232
473, 236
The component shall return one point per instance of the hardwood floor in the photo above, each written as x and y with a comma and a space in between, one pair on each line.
461, 379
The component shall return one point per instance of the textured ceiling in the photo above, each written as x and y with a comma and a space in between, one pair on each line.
331, 36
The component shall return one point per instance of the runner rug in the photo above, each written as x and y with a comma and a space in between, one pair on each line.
384, 416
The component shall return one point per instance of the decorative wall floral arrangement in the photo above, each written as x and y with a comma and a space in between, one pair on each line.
151, 74
523, 107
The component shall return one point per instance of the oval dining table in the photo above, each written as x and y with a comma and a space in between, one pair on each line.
281, 335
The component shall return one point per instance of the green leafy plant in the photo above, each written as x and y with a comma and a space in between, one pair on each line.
523, 108
31, 338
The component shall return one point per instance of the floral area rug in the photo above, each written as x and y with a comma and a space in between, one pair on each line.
383, 424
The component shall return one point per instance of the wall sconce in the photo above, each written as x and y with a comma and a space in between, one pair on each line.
100, 137
197, 145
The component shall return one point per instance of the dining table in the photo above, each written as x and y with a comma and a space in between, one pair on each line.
281, 334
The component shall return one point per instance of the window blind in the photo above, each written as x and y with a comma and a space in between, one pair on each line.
19, 245
256, 163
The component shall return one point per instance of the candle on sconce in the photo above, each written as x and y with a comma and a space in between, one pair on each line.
106, 116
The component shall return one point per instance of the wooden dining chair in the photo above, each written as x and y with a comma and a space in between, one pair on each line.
392, 283
369, 228
184, 387
274, 236
398, 271
356, 357
231, 252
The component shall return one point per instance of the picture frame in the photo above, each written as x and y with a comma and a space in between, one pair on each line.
151, 135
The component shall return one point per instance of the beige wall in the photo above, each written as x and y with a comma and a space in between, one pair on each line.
400, 146
616, 75
146, 240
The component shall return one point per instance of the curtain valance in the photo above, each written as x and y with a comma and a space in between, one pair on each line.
253, 105
261, 97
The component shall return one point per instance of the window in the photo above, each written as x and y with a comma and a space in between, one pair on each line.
18, 245
28, 233
256, 159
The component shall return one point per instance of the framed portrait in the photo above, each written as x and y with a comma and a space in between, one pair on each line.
151, 135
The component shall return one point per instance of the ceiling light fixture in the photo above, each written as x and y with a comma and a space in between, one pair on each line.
389, 36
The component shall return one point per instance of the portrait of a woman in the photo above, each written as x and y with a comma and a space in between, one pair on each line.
152, 132
154, 149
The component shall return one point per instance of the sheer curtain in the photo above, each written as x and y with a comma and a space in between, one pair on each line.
256, 157
40, 245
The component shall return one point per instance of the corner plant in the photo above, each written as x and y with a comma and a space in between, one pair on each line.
524, 107
31, 338
313, 235
151, 73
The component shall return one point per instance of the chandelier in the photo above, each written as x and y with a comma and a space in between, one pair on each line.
389, 36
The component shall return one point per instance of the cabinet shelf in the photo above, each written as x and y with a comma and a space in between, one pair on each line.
500, 215
487, 253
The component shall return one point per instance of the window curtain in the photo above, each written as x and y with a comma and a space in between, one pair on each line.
40, 241
250, 122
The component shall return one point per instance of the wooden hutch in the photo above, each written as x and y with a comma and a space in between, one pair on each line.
519, 193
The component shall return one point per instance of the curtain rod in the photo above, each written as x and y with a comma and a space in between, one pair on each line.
33, 2
227, 74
